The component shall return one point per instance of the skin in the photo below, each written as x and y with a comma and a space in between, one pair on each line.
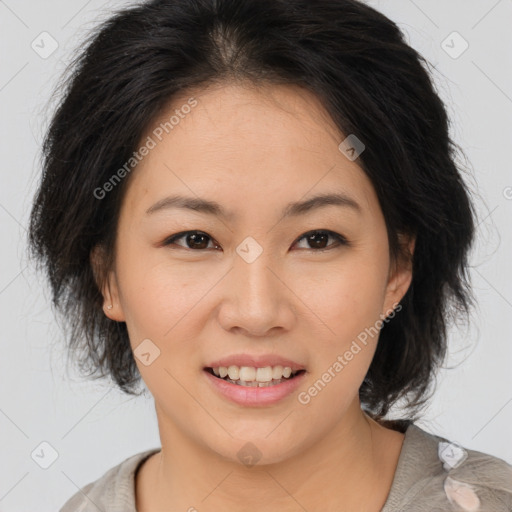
253, 150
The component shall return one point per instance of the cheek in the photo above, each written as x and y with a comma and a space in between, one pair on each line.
347, 306
346, 296
155, 292
160, 301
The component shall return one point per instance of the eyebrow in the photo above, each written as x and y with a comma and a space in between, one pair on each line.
293, 209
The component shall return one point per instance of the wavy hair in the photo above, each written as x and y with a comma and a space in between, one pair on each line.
371, 82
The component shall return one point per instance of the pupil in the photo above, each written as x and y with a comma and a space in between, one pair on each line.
194, 238
324, 236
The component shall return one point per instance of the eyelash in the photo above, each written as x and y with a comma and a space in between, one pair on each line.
340, 240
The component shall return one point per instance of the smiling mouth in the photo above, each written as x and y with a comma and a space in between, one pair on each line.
254, 377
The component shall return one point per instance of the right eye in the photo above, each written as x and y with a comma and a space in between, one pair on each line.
195, 240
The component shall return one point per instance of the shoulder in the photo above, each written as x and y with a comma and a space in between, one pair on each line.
113, 491
435, 474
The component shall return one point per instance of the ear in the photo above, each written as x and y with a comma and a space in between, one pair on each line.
400, 274
106, 281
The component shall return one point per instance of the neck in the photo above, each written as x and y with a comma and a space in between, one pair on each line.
353, 465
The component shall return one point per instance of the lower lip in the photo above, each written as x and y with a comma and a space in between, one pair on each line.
255, 396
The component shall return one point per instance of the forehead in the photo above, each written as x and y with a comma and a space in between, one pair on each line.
251, 139
273, 117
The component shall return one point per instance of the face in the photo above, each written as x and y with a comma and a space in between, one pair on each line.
266, 276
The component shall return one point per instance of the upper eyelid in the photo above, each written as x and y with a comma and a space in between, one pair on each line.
328, 231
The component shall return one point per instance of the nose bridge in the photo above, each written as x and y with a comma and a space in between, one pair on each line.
255, 296
254, 281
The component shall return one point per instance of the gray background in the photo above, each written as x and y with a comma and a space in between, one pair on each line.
93, 427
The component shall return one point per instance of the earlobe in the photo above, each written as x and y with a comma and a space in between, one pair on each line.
112, 306
107, 284
400, 275
107, 308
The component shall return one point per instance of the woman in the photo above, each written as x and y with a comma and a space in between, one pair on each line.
253, 207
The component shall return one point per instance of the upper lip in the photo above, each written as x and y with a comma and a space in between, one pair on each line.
255, 361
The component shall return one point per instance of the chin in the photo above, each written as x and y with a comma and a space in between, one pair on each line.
256, 446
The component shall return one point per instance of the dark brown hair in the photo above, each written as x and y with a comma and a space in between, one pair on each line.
371, 82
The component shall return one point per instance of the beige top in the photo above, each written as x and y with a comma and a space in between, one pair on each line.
432, 475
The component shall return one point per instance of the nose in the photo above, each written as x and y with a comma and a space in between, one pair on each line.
255, 299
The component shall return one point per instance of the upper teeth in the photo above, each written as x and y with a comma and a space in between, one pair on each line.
250, 373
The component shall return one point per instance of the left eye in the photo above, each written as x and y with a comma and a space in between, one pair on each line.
198, 240
318, 239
